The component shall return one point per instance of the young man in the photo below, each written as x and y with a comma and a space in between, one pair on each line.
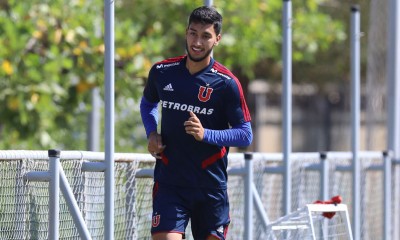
203, 113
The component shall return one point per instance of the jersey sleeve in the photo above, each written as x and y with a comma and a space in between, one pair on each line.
149, 114
236, 107
237, 136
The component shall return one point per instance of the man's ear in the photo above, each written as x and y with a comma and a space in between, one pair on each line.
218, 39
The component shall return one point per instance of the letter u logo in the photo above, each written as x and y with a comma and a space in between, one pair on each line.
204, 93
156, 220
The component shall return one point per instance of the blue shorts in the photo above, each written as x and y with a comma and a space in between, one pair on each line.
207, 209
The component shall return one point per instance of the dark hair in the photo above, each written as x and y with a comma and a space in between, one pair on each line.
207, 15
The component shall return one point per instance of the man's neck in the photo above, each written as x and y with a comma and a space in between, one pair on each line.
194, 67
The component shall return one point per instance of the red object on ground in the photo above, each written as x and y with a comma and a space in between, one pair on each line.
334, 200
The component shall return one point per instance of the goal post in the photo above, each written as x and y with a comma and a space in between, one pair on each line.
309, 222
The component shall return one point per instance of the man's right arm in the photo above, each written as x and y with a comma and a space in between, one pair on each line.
149, 113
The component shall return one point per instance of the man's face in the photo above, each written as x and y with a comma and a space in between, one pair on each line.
200, 40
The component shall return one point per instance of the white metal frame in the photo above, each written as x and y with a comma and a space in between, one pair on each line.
288, 222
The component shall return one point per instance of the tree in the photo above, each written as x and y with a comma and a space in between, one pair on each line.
53, 54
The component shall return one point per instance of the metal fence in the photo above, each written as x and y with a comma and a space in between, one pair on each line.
31, 207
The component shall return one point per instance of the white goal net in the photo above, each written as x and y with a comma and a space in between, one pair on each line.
313, 221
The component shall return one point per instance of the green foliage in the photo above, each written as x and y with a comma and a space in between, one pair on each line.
253, 33
49, 61
52, 55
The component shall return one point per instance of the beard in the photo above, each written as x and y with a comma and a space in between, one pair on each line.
199, 59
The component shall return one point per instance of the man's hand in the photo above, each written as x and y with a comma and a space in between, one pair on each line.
194, 127
155, 146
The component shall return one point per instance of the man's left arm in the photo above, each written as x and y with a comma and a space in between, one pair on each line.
240, 135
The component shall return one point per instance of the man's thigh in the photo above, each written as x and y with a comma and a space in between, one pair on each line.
170, 213
210, 216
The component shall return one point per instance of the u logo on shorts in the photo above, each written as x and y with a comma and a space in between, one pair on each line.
156, 220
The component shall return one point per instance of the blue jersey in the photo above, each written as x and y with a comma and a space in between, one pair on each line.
215, 95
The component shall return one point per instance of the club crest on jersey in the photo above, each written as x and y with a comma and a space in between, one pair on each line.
156, 220
205, 93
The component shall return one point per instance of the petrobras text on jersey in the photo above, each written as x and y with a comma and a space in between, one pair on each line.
186, 107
